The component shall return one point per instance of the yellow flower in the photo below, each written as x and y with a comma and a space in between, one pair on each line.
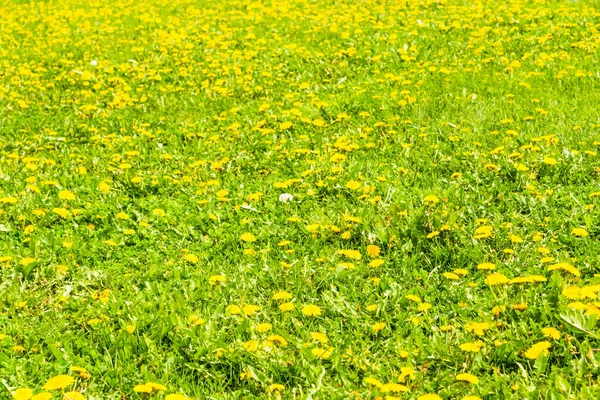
477, 328
378, 327
431, 199
23, 394
537, 349
282, 295
483, 232
59, 382
393, 388
467, 378
248, 237
104, 187
275, 387
66, 195
216, 279
496, 279
176, 397
142, 388
486, 266
83, 373
64, 213
373, 381
265, 327
287, 307
352, 185
373, 251
191, 258
250, 309
579, 232
352, 254
471, 347
322, 353
319, 337
376, 263
429, 396
551, 333
565, 267
233, 309
26, 261
311, 310
73, 396
42, 396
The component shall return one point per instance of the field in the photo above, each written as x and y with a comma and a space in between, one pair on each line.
299, 199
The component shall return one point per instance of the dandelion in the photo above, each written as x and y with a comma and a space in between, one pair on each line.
393, 388
42, 396
378, 327
216, 280
579, 232
429, 396
496, 279
551, 333
373, 382
23, 394
286, 307
537, 349
191, 258
248, 238
471, 347
311, 310
373, 251
59, 382
352, 185
66, 195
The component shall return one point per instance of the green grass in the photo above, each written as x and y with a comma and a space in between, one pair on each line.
140, 142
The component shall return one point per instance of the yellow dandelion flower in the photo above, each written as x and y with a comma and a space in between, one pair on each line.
23, 394
285, 307
373, 251
551, 333
59, 382
471, 347
393, 388
191, 258
565, 267
264, 327
373, 382
42, 396
537, 349
353, 185
248, 237
486, 266
496, 279
282, 295
467, 378
378, 327
351, 254
66, 195
579, 232
429, 396
311, 310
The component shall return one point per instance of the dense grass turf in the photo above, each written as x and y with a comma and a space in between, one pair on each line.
299, 199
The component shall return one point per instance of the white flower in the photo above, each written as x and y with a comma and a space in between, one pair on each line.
285, 197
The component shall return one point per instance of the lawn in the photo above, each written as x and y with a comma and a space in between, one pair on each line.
299, 199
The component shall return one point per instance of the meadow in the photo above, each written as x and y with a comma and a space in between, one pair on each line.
299, 199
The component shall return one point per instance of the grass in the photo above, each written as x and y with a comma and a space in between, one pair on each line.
299, 199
